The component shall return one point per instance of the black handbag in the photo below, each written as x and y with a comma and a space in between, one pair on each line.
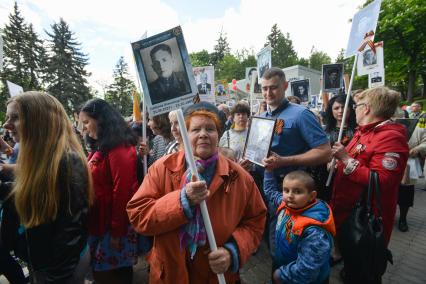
361, 238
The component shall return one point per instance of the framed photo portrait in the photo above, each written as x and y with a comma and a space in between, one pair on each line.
259, 139
370, 61
363, 22
204, 78
165, 71
332, 75
300, 89
264, 61
249, 75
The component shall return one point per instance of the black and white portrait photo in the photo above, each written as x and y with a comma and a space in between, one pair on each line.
264, 61
204, 77
249, 77
332, 75
370, 61
259, 139
300, 89
369, 58
165, 71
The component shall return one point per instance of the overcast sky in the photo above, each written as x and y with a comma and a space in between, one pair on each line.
106, 28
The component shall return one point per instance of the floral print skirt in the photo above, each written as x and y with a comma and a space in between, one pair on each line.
104, 257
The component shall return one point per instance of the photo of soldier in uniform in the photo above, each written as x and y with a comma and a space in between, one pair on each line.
300, 89
264, 61
332, 75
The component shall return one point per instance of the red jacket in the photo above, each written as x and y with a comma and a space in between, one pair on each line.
381, 147
114, 183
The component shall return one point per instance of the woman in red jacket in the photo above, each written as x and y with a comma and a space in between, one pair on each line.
379, 144
112, 240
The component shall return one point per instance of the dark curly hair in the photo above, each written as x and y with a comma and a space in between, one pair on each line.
112, 130
241, 108
330, 121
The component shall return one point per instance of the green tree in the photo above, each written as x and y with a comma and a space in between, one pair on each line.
24, 56
229, 68
318, 58
119, 93
200, 58
303, 61
283, 53
220, 49
66, 68
402, 27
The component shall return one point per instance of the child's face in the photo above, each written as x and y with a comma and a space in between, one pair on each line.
296, 195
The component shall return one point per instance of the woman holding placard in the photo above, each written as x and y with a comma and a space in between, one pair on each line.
167, 207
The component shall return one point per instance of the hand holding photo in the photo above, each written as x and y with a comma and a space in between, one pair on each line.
259, 139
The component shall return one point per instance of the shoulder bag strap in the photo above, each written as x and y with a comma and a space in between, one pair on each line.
377, 194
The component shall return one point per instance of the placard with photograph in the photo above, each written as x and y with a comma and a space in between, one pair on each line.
165, 71
332, 75
259, 139
204, 78
363, 22
314, 101
264, 61
410, 125
376, 78
300, 89
249, 72
370, 61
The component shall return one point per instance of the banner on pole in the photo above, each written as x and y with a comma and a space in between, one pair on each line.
364, 22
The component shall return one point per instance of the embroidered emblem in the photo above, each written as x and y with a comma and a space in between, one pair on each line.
391, 154
279, 125
389, 163
357, 150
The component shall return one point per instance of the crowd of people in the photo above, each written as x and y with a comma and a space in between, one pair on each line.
82, 206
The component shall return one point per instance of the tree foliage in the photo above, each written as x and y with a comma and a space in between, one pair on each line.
66, 68
318, 58
283, 53
119, 93
220, 49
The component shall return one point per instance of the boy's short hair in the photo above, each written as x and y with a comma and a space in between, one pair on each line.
303, 177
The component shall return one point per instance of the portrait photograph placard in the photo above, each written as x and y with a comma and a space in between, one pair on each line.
332, 75
370, 61
376, 78
259, 139
363, 22
264, 61
301, 89
165, 71
249, 76
204, 78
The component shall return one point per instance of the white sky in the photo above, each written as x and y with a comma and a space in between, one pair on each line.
106, 28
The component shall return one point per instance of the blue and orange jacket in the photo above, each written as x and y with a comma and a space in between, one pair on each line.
304, 239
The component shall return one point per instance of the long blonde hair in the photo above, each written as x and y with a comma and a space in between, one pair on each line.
46, 135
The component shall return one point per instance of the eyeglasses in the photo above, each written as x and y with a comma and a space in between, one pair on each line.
357, 105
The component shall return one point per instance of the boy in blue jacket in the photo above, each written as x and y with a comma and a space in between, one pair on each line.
304, 231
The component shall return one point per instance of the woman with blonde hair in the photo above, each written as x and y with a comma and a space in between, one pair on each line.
52, 192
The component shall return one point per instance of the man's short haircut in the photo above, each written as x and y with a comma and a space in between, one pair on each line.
161, 46
272, 72
382, 100
241, 107
302, 177
294, 99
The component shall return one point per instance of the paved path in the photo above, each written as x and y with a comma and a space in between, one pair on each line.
409, 254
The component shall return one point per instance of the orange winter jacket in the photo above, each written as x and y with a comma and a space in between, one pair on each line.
236, 210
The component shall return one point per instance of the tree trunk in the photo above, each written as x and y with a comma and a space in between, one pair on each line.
411, 84
423, 75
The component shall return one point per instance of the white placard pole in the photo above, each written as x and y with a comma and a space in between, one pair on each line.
342, 125
190, 159
252, 85
144, 122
